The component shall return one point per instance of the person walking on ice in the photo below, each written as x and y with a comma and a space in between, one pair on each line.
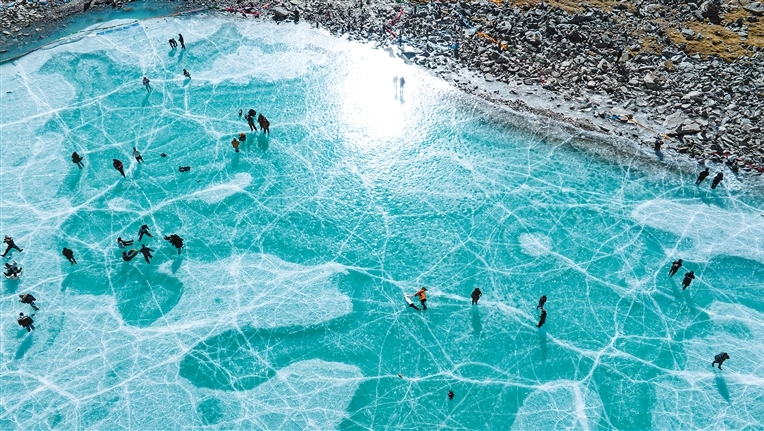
719, 359
118, 166
69, 255
76, 159
542, 301
717, 179
675, 267
688, 277
147, 84
137, 155
702, 176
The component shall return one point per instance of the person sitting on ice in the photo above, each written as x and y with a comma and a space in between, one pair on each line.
122, 243
127, 256
12, 271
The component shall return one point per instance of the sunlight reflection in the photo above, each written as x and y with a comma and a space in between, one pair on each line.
375, 109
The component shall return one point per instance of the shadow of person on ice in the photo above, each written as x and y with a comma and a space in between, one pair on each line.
721, 385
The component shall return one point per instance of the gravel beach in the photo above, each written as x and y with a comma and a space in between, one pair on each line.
689, 74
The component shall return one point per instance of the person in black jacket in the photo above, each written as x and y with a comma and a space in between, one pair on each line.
26, 322
675, 267
69, 255
27, 298
146, 253
476, 294
688, 277
702, 176
9, 241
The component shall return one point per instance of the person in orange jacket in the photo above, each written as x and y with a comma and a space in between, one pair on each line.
422, 297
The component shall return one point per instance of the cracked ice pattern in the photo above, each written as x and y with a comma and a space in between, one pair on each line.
285, 310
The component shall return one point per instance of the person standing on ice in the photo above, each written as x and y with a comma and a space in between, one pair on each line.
702, 176
146, 252
476, 294
688, 277
180, 39
76, 159
719, 359
69, 255
675, 267
147, 84
144, 230
251, 122
138, 156
717, 179
118, 166
542, 301
9, 241
235, 144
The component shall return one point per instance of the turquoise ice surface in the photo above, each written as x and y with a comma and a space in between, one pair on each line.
285, 310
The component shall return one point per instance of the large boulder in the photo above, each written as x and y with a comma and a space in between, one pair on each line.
280, 12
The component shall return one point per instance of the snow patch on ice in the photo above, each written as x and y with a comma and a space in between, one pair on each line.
711, 230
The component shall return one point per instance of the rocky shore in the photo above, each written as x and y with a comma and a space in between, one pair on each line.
692, 74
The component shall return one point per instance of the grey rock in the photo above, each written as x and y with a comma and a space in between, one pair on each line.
651, 82
581, 17
674, 121
533, 37
689, 128
756, 8
280, 12
696, 96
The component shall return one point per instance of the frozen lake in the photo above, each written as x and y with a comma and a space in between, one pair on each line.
285, 309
